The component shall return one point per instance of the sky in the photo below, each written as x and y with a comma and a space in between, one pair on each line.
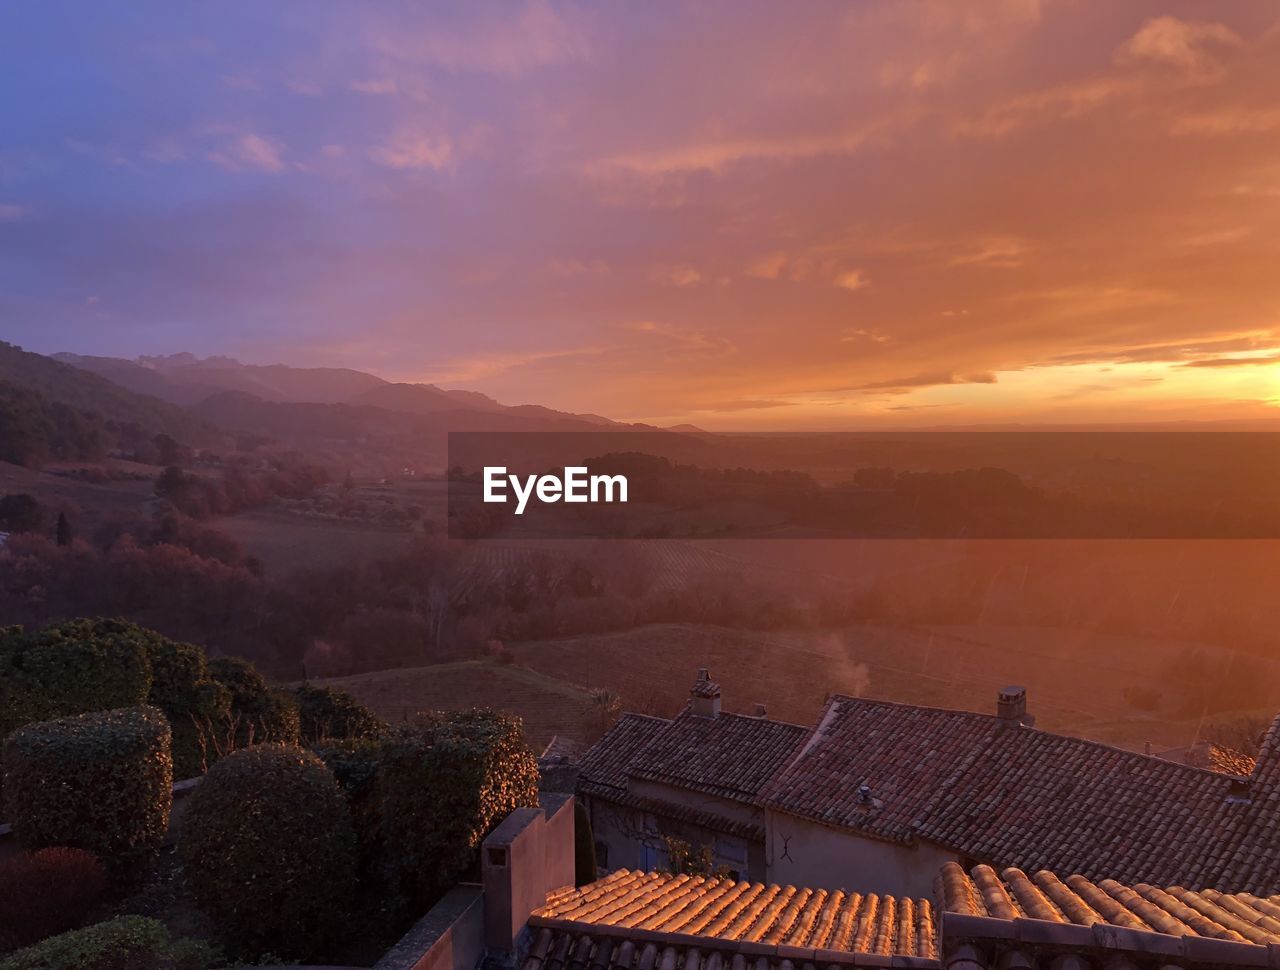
747, 215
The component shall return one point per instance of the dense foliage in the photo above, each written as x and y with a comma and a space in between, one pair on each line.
477, 769
70, 668
268, 850
329, 714
99, 664
132, 942
122, 414
46, 892
260, 713
34, 429
101, 781
191, 699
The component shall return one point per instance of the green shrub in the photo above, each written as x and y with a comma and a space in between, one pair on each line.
47, 892
327, 714
101, 781
476, 769
355, 765
132, 942
269, 852
259, 714
87, 665
192, 700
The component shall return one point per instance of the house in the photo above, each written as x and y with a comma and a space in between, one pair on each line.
878, 796
696, 777
520, 917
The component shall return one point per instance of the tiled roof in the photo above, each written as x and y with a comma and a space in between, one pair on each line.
1212, 927
681, 813
605, 765
614, 922
902, 753
730, 755
1015, 796
1045, 801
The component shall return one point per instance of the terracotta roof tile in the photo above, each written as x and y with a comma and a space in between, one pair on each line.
733, 919
903, 754
1173, 911
1020, 797
730, 755
606, 764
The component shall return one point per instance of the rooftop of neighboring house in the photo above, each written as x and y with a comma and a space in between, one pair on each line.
658, 921
732, 756
988, 787
698, 922
1175, 911
1105, 923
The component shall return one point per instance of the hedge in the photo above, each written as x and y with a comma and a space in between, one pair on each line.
443, 784
328, 714
269, 852
101, 781
261, 714
126, 941
70, 668
193, 701
101, 664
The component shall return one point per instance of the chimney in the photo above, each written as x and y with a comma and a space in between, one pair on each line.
1011, 706
762, 711
704, 698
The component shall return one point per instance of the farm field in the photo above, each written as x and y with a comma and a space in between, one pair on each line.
118, 497
1075, 681
547, 706
286, 543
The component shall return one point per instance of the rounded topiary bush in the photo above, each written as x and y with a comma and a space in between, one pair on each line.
329, 714
269, 851
101, 781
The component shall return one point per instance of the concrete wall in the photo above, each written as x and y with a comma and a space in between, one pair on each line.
529, 854
802, 853
449, 937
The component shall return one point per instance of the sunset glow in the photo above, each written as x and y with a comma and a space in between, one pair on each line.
735, 215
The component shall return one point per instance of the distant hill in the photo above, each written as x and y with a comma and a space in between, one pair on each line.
54, 382
189, 380
186, 379
425, 399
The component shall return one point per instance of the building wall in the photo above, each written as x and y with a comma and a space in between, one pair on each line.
632, 839
802, 853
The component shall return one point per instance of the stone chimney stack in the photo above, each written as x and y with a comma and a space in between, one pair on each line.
704, 698
1011, 706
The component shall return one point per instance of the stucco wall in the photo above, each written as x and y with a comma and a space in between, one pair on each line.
802, 853
633, 840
